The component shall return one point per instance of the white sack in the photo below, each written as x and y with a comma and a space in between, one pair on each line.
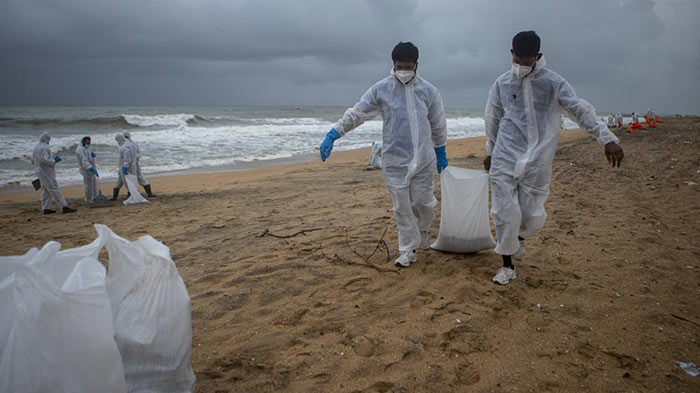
60, 335
464, 219
132, 184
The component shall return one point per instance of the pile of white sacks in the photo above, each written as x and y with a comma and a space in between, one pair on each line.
70, 325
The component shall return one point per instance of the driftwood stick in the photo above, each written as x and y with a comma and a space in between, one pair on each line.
379, 243
303, 232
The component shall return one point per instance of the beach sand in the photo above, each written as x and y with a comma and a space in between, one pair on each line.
606, 300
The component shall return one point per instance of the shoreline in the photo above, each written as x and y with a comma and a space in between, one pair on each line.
216, 178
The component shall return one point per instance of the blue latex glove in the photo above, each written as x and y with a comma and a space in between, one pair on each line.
92, 154
441, 158
57, 159
94, 172
327, 144
124, 171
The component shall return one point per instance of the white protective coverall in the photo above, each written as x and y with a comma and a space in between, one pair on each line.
413, 116
375, 158
85, 162
45, 170
522, 125
125, 160
136, 155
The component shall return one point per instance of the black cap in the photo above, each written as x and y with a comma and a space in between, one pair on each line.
526, 44
405, 51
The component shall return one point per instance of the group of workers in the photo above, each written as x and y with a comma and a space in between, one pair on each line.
522, 122
523, 119
45, 162
651, 118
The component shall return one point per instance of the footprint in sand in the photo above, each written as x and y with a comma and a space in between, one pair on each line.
364, 347
467, 374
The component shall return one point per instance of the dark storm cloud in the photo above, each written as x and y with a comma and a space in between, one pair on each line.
620, 55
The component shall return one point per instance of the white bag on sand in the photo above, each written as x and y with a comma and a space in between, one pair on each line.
152, 319
132, 184
60, 336
67, 326
464, 219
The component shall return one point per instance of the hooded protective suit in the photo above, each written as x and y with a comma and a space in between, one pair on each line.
85, 162
413, 117
44, 163
523, 119
136, 154
125, 160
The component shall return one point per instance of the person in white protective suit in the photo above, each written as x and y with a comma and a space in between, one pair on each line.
44, 164
619, 119
125, 163
87, 167
413, 141
375, 158
136, 154
611, 121
522, 119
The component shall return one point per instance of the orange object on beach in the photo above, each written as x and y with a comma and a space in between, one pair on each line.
657, 120
635, 126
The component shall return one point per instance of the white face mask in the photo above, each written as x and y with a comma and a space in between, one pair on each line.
520, 71
404, 76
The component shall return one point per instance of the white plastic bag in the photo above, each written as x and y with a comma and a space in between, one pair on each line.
464, 219
152, 319
375, 159
67, 326
60, 335
132, 184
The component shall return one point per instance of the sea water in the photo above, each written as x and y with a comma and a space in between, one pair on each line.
185, 138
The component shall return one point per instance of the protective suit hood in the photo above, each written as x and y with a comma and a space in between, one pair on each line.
45, 137
120, 139
127, 134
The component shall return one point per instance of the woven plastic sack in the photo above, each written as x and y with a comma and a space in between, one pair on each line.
68, 326
464, 219
132, 184
56, 333
151, 311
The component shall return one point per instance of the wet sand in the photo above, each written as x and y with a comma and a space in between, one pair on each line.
284, 298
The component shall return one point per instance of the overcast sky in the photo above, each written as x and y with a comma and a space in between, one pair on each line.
624, 55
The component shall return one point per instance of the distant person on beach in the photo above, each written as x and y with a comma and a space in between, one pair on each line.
522, 118
86, 164
136, 155
413, 140
611, 121
45, 163
619, 119
124, 163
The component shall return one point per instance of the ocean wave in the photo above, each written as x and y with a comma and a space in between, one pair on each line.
171, 120
114, 121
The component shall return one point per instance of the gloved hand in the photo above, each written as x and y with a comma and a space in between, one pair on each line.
124, 171
92, 154
441, 158
327, 144
94, 172
57, 159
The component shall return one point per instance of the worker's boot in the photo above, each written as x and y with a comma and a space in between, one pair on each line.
115, 194
147, 187
67, 209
